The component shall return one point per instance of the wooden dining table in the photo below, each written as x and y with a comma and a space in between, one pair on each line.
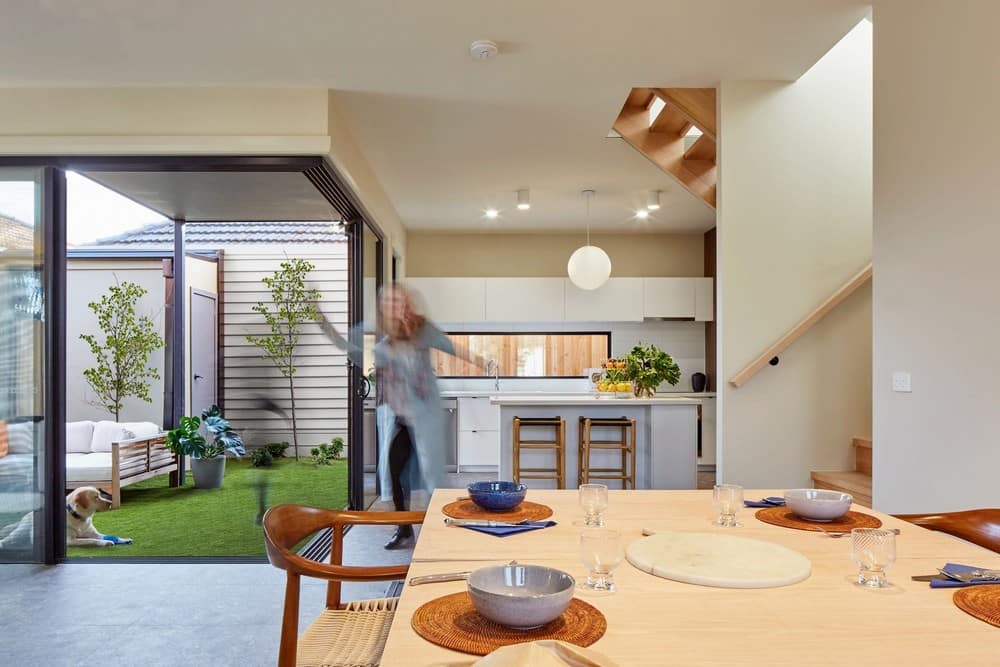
824, 620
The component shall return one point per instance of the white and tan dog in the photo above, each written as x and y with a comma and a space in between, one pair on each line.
81, 505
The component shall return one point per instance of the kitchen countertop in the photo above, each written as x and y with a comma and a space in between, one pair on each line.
581, 394
587, 399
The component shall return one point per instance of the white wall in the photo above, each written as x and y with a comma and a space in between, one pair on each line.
937, 238
794, 224
87, 280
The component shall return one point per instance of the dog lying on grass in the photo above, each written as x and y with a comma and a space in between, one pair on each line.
81, 505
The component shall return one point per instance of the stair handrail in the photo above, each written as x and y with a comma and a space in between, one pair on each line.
770, 355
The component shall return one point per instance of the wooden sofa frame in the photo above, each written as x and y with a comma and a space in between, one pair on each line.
133, 461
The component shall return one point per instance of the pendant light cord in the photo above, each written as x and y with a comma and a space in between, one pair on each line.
588, 194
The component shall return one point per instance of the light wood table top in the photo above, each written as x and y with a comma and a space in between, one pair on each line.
824, 620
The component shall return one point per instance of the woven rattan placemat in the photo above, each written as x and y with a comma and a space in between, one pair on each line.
981, 601
782, 516
526, 511
452, 622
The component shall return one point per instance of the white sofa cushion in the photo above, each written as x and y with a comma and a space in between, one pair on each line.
21, 438
92, 467
79, 437
140, 430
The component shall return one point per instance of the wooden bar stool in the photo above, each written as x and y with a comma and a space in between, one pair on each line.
624, 444
557, 444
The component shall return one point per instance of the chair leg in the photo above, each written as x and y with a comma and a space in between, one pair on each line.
517, 450
585, 459
561, 454
632, 450
290, 623
116, 496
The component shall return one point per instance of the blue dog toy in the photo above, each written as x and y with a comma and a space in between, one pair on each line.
115, 539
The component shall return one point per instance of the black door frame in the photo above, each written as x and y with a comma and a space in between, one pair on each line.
318, 169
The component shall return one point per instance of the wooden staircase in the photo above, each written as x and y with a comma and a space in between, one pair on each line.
857, 482
657, 122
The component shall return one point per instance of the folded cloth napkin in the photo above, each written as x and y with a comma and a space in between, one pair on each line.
958, 568
770, 501
544, 653
504, 531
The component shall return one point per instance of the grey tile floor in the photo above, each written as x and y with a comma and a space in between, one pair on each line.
162, 614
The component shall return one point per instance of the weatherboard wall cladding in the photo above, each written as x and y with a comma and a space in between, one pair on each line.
321, 380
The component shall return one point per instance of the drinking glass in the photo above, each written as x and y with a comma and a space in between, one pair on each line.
593, 500
727, 499
601, 552
874, 550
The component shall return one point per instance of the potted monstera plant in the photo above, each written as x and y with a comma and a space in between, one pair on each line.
208, 456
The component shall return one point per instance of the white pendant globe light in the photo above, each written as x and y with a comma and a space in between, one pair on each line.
589, 267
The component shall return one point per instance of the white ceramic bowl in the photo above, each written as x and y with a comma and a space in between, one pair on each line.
521, 596
818, 504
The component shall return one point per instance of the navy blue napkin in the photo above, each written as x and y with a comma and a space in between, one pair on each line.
770, 501
504, 531
958, 568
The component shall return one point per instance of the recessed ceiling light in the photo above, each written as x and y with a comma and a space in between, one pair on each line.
523, 201
642, 214
653, 200
492, 213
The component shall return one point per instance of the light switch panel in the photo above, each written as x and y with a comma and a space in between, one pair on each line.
901, 381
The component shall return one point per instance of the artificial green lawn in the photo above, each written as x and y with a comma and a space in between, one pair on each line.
186, 521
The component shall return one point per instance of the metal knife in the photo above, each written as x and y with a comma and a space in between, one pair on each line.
477, 522
973, 575
438, 578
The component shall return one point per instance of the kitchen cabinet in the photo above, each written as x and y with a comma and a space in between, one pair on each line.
618, 300
478, 434
668, 297
452, 299
704, 299
525, 299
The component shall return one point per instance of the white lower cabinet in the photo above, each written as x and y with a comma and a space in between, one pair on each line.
478, 449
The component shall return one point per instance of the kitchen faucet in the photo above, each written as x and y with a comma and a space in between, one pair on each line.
495, 365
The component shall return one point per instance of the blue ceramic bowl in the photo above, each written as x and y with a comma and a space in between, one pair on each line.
497, 496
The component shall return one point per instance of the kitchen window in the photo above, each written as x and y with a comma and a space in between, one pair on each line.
526, 355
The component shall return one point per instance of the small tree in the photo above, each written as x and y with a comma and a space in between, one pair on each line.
293, 304
122, 356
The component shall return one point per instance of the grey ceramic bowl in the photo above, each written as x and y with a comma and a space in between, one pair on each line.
818, 504
521, 596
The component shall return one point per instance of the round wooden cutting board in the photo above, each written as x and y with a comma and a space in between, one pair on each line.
715, 559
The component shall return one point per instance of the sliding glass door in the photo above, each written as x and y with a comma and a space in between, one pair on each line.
28, 236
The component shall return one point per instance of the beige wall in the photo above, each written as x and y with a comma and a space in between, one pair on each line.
935, 255
545, 255
87, 280
794, 224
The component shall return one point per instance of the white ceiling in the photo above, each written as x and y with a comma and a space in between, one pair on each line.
446, 135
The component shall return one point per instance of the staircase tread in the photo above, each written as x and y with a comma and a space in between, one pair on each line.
849, 480
862, 442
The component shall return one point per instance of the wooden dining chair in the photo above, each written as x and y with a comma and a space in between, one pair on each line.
344, 634
980, 527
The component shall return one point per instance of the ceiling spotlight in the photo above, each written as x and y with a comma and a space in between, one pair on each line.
642, 214
492, 213
523, 202
653, 200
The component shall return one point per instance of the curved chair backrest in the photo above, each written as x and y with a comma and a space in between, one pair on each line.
980, 526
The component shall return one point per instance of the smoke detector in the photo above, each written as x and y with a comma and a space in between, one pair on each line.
483, 49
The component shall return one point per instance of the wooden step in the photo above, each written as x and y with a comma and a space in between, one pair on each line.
862, 442
863, 455
858, 484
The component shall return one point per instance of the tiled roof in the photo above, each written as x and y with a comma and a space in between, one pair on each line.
15, 234
210, 235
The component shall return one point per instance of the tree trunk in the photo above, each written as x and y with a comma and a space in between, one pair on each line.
295, 429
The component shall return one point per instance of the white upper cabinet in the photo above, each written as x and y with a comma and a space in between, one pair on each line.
704, 299
452, 299
525, 299
618, 300
668, 297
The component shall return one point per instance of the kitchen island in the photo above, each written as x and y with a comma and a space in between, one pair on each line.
666, 436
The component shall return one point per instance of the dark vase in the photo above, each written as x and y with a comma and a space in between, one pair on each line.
698, 382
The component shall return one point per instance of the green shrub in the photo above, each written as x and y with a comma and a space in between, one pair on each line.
261, 458
276, 449
327, 453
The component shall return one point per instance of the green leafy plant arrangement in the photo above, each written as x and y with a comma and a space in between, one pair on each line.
648, 367
224, 439
186, 439
327, 453
261, 458
122, 369
276, 449
292, 305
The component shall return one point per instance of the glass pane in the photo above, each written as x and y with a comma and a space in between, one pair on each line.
370, 286
21, 365
526, 354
